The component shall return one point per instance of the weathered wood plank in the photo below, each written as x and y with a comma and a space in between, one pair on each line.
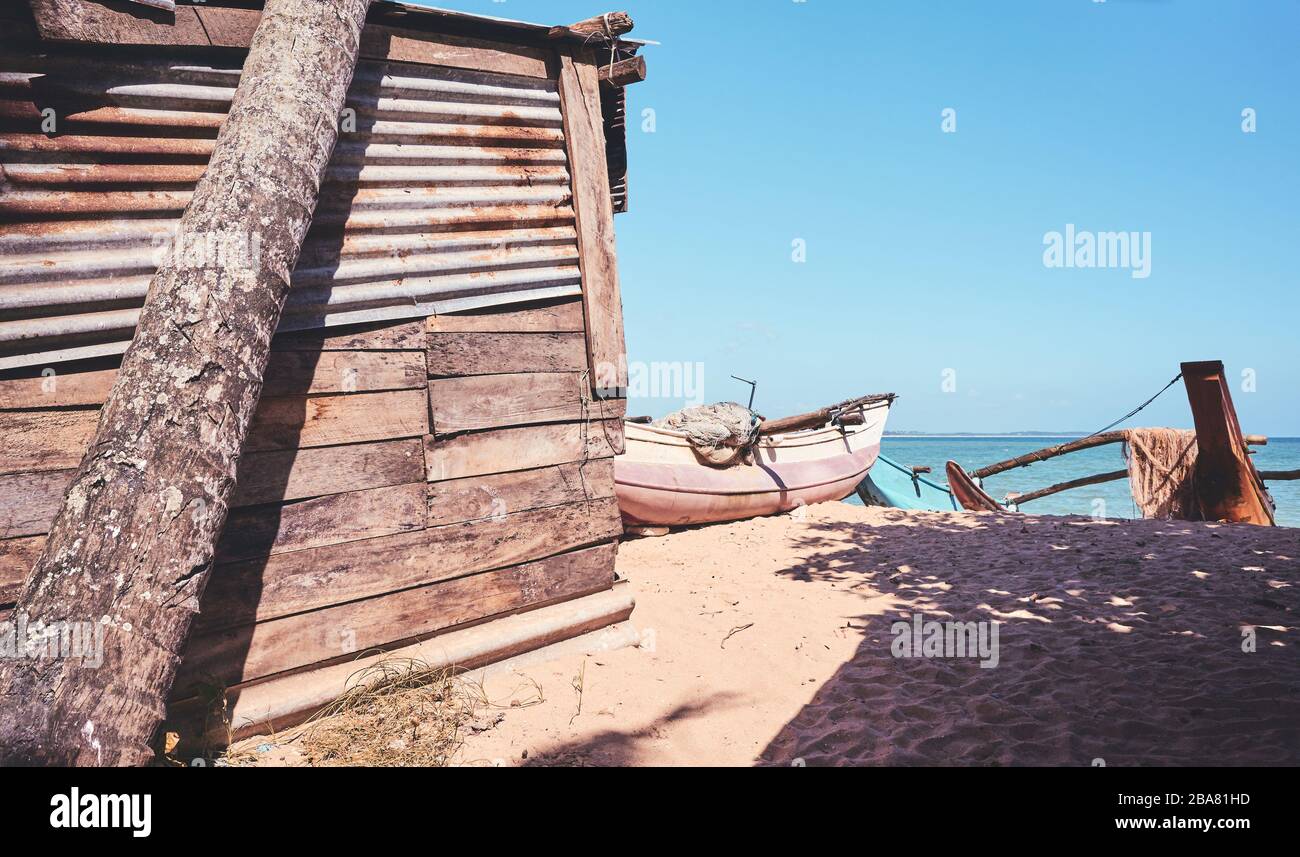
39, 441
17, 556
380, 336
242, 654
303, 372
304, 421
56, 440
260, 531
29, 501
138, 25
295, 582
229, 28
480, 497
623, 73
584, 131
456, 354
47, 387
234, 28
272, 477
291, 373
403, 45
497, 401
564, 317
514, 449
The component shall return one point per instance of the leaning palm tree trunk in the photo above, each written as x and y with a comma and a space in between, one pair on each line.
131, 548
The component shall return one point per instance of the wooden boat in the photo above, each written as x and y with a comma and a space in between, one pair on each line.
971, 496
1228, 488
898, 486
1227, 485
661, 482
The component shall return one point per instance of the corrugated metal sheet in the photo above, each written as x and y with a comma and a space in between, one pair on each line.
452, 193
613, 105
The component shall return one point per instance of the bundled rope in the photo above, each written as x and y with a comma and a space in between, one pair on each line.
720, 434
1161, 472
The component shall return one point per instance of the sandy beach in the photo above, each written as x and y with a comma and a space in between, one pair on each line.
768, 642
1120, 641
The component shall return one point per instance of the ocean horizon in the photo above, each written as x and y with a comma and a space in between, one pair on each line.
1111, 500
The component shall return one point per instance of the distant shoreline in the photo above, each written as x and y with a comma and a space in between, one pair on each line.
1017, 436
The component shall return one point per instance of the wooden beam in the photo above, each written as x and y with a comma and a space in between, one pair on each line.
1067, 486
1279, 475
513, 449
822, 416
234, 28
1074, 446
610, 25
298, 581
624, 72
406, 45
344, 631
89, 21
594, 212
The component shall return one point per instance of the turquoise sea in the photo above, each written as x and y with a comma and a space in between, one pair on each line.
974, 452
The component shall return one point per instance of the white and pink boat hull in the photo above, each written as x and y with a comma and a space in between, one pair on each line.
661, 483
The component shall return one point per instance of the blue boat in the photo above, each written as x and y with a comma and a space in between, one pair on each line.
897, 486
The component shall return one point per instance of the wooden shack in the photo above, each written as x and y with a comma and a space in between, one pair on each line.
430, 472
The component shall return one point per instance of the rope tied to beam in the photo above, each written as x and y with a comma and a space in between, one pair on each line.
608, 36
1140, 407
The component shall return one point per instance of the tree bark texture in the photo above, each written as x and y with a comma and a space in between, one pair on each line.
132, 546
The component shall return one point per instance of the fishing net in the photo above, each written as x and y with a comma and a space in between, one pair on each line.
1161, 465
720, 434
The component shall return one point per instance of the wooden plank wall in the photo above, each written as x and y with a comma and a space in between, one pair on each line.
399, 480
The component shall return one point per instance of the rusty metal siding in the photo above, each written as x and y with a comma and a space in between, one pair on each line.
451, 193
613, 105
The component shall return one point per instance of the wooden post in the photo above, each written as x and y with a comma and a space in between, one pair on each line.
130, 550
624, 72
1227, 486
602, 302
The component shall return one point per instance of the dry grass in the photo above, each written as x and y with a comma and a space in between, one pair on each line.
396, 713
401, 713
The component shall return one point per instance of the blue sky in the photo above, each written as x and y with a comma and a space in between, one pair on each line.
821, 121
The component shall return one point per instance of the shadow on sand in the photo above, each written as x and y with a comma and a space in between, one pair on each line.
1118, 641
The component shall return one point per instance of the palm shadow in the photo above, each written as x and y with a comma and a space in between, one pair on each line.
1098, 660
